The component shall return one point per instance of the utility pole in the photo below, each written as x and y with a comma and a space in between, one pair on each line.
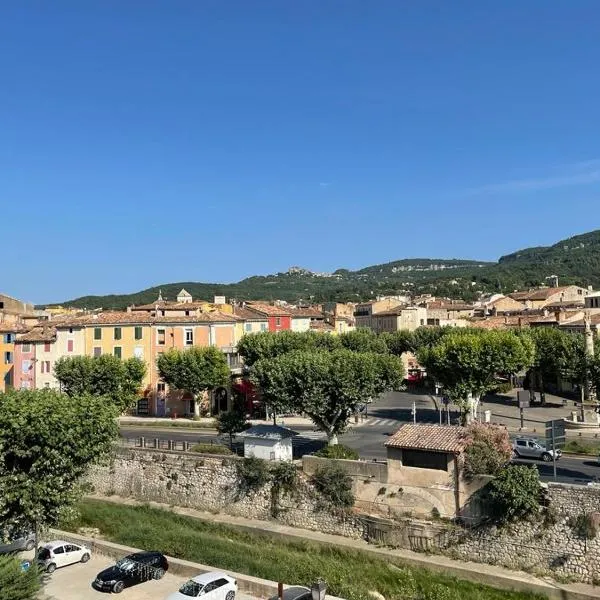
414, 412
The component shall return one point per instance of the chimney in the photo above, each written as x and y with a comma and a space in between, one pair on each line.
557, 315
520, 322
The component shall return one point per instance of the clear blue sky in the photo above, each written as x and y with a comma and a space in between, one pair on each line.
144, 142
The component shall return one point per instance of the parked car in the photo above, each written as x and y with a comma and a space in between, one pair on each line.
531, 448
211, 586
131, 570
16, 542
59, 553
295, 592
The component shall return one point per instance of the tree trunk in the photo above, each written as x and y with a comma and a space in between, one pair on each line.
332, 439
231, 441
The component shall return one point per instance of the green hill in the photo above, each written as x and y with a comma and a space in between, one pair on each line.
574, 260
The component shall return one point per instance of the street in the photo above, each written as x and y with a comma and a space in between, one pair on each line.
388, 413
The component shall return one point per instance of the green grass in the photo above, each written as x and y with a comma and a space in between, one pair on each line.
210, 449
350, 574
581, 447
169, 423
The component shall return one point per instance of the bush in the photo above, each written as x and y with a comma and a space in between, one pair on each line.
583, 526
334, 484
338, 451
210, 449
487, 450
16, 584
284, 476
515, 493
253, 473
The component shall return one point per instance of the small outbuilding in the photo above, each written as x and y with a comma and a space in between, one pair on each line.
269, 442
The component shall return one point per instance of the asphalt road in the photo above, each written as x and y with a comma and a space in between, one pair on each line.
384, 417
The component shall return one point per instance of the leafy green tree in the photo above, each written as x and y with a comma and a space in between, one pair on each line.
230, 423
398, 342
467, 364
364, 340
196, 370
47, 442
426, 337
487, 451
105, 375
326, 386
515, 492
16, 584
334, 484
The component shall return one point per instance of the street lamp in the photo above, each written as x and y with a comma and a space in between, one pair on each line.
318, 590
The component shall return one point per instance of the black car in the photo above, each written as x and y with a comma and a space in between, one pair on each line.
296, 592
131, 570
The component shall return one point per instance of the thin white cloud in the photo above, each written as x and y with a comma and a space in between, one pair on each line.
324, 184
582, 173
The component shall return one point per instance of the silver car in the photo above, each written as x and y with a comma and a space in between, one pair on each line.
17, 542
531, 448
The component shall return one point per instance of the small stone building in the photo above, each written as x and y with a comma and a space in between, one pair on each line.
425, 461
269, 442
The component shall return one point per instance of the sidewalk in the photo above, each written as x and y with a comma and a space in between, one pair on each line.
206, 422
477, 572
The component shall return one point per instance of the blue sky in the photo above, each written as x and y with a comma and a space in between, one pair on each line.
145, 142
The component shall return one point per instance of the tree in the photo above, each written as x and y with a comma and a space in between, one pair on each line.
230, 423
398, 342
467, 364
47, 442
515, 492
426, 337
195, 370
326, 386
16, 584
487, 450
333, 483
105, 375
364, 340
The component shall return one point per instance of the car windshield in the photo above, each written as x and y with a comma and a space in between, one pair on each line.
191, 588
126, 564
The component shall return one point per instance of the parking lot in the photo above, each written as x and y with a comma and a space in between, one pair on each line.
74, 583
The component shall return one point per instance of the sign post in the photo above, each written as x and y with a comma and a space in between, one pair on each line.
523, 399
414, 412
555, 438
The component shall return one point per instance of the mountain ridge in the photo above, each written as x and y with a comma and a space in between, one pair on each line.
574, 260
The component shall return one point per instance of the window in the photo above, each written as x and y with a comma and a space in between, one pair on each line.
117, 351
8, 358
70, 330
59, 550
278, 321
25, 366
189, 337
117, 333
45, 366
69, 345
26, 348
160, 337
9, 338
161, 387
425, 460
187, 313
422, 322
263, 326
138, 333
138, 352
97, 351
97, 333
248, 327
47, 347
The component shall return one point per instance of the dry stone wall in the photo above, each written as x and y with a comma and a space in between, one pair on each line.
544, 547
212, 484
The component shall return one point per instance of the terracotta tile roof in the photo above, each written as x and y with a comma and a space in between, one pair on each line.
270, 310
248, 315
539, 294
594, 321
437, 438
445, 305
392, 312
150, 306
38, 334
321, 326
13, 328
307, 312
215, 316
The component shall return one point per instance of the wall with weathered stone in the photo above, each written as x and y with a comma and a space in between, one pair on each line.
210, 483
549, 547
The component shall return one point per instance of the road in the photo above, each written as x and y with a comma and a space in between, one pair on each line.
384, 417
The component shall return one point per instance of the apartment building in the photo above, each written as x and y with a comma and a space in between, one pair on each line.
364, 311
405, 317
8, 335
542, 297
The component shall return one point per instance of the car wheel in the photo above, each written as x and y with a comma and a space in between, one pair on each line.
85, 558
159, 573
118, 587
51, 568
230, 595
30, 545
546, 457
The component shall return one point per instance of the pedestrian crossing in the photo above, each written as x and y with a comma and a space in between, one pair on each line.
374, 422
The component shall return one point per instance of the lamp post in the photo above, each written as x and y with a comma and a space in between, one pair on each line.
318, 590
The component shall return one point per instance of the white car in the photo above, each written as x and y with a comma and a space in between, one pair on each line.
211, 586
59, 553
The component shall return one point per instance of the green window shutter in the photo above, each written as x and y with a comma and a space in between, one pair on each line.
138, 333
117, 351
97, 333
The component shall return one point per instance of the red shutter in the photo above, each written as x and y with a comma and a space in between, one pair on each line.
47, 347
69, 345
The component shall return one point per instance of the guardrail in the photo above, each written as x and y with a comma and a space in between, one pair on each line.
173, 445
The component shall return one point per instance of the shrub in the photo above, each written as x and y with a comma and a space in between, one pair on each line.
16, 584
253, 473
338, 451
210, 449
583, 526
515, 493
487, 450
284, 476
334, 484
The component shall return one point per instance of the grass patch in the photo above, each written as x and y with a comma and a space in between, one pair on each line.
211, 449
581, 447
350, 574
168, 423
